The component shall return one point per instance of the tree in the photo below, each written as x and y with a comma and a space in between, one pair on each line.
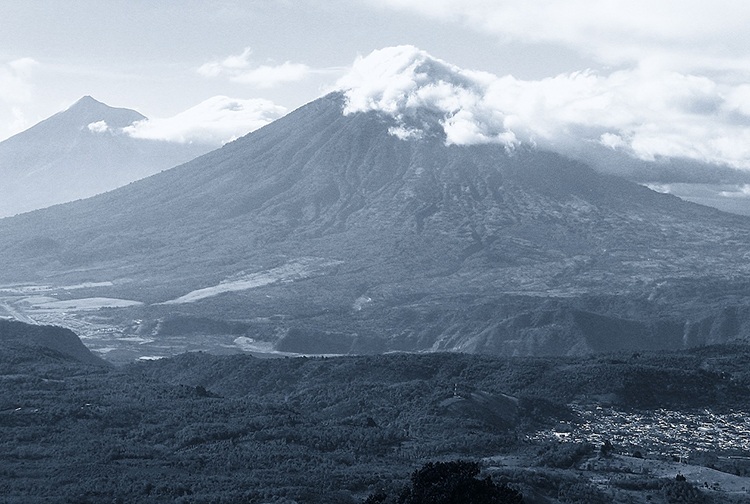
452, 483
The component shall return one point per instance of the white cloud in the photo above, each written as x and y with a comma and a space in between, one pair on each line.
742, 191
98, 127
681, 35
648, 112
241, 69
214, 121
405, 133
266, 76
660, 188
401, 81
229, 64
15, 92
672, 79
612, 141
14, 79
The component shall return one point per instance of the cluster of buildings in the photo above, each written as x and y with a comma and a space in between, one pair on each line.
655, 432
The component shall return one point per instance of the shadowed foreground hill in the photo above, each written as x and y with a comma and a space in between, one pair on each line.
26, 343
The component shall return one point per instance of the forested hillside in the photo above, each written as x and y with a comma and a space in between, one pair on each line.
202, 428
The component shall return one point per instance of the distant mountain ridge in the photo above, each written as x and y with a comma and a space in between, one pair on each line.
346, 238
80, 152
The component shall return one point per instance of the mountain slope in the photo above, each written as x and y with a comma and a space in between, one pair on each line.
77, 153
32, 344
359, 241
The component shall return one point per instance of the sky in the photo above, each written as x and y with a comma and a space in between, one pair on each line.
653, 80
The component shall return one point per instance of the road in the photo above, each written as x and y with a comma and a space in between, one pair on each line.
13, 312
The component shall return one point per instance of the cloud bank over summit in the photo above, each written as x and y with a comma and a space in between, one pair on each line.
647, 112
403, 81
216, 121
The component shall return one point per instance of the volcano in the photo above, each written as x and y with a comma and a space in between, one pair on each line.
80, 152
325, 232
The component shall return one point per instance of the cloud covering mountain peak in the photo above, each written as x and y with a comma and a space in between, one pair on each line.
215, 121
646, 112
401, 81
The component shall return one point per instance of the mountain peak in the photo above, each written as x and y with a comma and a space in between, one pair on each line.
87, 110
87, 101
422, 93
80, 152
